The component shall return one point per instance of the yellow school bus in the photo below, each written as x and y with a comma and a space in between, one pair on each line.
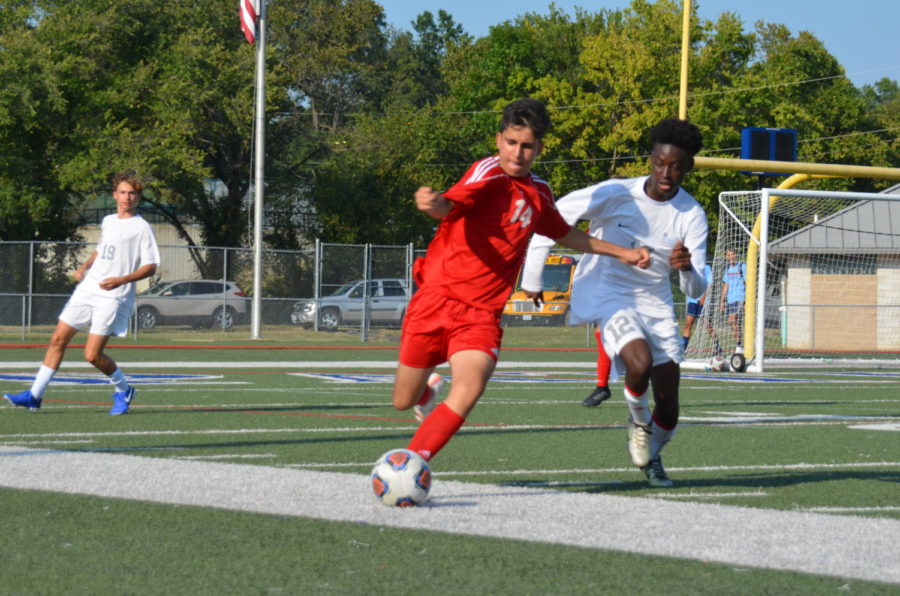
521, 310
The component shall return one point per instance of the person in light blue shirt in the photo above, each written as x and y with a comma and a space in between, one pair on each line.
733, 290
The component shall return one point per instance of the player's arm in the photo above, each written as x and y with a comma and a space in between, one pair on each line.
142, 272
533, 269
689, 257
588, 203
82, 271
570, 208
432, 202
709, 282
583, 242
690, 280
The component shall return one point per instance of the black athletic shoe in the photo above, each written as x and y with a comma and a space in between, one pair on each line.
597, 397
656, 474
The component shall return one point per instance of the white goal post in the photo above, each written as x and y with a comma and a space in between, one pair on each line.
822, 279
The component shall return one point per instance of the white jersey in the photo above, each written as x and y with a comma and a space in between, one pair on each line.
125, 245
619, 211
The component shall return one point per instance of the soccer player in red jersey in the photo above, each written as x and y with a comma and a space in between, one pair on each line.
486, 220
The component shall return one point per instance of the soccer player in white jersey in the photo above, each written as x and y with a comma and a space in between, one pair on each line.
634, 307
104, 298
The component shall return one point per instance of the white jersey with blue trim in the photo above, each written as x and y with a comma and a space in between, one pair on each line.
619, 211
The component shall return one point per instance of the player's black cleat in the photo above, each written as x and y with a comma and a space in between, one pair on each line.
656, 474
597, 397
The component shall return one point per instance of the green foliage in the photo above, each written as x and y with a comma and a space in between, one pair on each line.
160, 88
358, 114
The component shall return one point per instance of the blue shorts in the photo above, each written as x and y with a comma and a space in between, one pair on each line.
694, 309
735, 308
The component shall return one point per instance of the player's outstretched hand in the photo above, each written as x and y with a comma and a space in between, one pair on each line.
431, 202
680, 257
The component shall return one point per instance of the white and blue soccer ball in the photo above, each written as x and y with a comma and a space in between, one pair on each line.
717, 364
401, 478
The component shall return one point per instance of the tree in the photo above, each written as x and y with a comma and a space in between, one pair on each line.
358, 115
413, 75
159, 88
332, 61
362, 192
164, 89
32, 109
329, 51
625, 76
883, 111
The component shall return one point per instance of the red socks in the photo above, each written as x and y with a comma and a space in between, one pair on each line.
603, 362
436, 431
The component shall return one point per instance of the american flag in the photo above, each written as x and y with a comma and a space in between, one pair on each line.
249, 14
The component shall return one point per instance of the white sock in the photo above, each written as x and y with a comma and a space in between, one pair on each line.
118, 380
41, 380
658, 439
639, 406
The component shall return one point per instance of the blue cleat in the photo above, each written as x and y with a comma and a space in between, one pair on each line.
24, 399
121, 401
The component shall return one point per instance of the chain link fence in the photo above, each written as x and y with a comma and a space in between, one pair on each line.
209, 287
351, 288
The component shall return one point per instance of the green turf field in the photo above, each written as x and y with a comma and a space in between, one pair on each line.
824, 444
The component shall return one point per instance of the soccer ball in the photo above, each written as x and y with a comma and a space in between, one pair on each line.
401, 478
717, 364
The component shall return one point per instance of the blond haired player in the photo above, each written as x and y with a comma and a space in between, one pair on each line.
104, 298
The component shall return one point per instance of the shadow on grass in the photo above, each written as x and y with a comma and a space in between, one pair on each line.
685, 483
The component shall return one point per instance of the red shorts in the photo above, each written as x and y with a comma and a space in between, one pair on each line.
436, 327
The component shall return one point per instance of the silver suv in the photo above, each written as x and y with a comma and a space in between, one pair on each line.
192, 302
387, 305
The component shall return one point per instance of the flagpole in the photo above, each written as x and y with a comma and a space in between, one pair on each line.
259, 184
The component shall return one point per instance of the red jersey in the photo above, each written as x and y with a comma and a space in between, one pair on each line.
479, 246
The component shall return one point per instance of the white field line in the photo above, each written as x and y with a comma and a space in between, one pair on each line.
233, 431
888, 424
51, 442
885, 509
567, 483
699, 495
301, 364
502, 365
227, 456
839, 546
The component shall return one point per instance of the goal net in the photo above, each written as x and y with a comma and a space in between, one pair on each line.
821, 278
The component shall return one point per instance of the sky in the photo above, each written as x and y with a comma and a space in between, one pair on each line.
861, 34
